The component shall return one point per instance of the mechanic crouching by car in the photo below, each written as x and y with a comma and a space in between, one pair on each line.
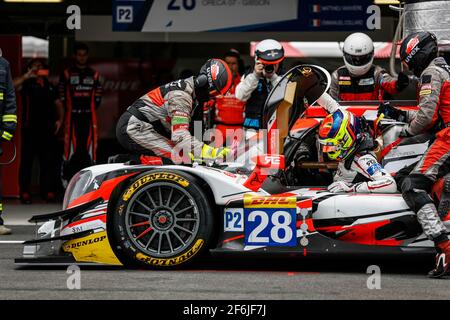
159, 120
419, 52
347, 139
359, 78
255, 86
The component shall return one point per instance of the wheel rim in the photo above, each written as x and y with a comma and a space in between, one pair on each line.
162, 220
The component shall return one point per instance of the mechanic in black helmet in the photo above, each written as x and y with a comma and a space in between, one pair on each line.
419, 53
159, 120
254, 87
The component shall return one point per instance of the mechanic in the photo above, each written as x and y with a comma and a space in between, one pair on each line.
419, 53
347, 139
254, 87
42, 118
159, 120
359, 78
8, 116
228, 111
80, 90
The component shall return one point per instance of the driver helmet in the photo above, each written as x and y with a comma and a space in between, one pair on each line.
418, 50
269, 52
338, 133
358, 53
215, 76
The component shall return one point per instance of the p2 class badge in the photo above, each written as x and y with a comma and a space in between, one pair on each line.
233, 219
270, 223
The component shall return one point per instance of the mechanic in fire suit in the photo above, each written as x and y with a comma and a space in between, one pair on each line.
8, 115
346, 138
159, 120
359, 78
81, 92
255, 87
228, 111
419, 53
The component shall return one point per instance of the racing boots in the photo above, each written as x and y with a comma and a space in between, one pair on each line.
442, 260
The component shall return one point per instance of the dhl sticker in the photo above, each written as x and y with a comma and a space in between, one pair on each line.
269, 202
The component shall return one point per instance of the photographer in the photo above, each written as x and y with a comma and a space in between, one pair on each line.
254, 87
42, 118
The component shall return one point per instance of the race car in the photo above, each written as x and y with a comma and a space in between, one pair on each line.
271, 201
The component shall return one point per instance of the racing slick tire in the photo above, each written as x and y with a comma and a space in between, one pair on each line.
162, 220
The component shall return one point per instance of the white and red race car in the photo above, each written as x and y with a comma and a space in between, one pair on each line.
163, 216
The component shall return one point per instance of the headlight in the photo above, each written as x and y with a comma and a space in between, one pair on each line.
77, 186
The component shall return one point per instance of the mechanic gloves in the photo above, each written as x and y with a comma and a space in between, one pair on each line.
402, 81
210, 153
391, 112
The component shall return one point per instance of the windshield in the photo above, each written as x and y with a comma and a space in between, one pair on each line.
299, 87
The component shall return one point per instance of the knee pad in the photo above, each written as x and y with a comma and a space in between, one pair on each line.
415, 191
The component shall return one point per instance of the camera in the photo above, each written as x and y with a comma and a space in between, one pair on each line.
269, 68
41, 72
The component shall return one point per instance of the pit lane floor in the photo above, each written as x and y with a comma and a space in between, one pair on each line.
343, 278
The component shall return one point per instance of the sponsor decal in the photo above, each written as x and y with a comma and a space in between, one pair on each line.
154, 177
215, 71
88, 81
366, 82
344, 78
92, 248
85, 242
374, 168
74, 80
426, 87
425, 92
171, 261
345, 83
411, 44
233, 219
269, 202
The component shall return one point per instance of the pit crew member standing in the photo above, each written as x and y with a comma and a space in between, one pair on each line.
8, 116
346, 138
228, 111
419, 52
42, 117
254, 87
80, 90
159, 120
359, 78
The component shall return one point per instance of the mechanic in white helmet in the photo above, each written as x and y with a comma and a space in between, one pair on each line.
255, 86
359, 78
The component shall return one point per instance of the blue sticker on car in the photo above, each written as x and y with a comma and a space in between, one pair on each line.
271, 227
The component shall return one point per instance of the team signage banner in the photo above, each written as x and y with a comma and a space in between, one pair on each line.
239, 15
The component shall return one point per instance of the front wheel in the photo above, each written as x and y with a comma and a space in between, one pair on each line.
163, 219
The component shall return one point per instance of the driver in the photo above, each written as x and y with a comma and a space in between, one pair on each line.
160, 119
359, 78
346, 138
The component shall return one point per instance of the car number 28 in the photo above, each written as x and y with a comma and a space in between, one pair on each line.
270, 227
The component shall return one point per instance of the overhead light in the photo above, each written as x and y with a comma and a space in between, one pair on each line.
34, 1
387, 2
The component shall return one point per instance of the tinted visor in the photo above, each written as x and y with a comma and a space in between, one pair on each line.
358, 60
